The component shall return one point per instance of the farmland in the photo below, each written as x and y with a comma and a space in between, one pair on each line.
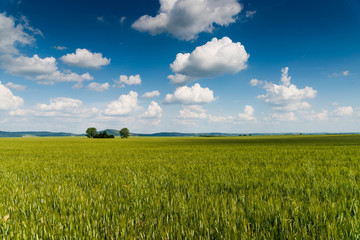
269, 187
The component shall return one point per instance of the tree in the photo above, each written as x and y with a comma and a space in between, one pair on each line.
103, 135
124, 133
91, 132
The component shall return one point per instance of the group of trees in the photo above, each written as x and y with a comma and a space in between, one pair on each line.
92, 133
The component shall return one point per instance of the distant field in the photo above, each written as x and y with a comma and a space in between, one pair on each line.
283, 187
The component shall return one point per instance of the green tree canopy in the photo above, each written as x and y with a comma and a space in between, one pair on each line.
124, 133
103, 134
91, 132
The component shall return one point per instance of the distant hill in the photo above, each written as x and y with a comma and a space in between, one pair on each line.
168, 134
178, 134
37, 134
114, 132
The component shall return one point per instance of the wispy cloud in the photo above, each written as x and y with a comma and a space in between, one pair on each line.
339, 74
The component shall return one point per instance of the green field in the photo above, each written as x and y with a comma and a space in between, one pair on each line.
285, 187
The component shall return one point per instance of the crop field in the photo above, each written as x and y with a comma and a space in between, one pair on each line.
278, 187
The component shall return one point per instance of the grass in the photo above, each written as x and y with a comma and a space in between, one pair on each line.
282, 187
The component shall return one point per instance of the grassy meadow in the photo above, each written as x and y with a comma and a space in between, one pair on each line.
270, 187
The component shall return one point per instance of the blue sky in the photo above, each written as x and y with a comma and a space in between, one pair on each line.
180, 65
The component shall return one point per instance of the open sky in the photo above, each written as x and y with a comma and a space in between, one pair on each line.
180, 65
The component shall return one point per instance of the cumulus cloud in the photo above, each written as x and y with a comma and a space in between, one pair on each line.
193, 112
155, 93
285, 78
28, 66
60, 104
128, 80
248, 114
62, 107
216, 57
189, 114
285, 96
98, 87
11, 35
323, 115
18, 112
343, 111
42, 70
153, 111
58, 76
85, 59
185, 19
287, 117
7, 99
254, 82
320, 116
124, 105
15, 86
219, 119
190, 95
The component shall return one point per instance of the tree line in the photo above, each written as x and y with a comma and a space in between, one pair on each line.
93, 133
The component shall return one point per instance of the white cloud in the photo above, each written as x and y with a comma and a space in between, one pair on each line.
185, 19
63, 107
193, 112
338, 74
58, 76
153, 111
190, 95
94, 86
296, 106
101, 19
250, 14
185, 122
124, 105
289, 116
122, 20
216, 57
286, 96
219, 119
18, 112
60, 47
60, 104
85, 59
15, 86
248, 114
320, 116
285, 78
42, 70
11, 35
343, 111
254, 82
7, 99
128, 80
155, 93
28, 66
